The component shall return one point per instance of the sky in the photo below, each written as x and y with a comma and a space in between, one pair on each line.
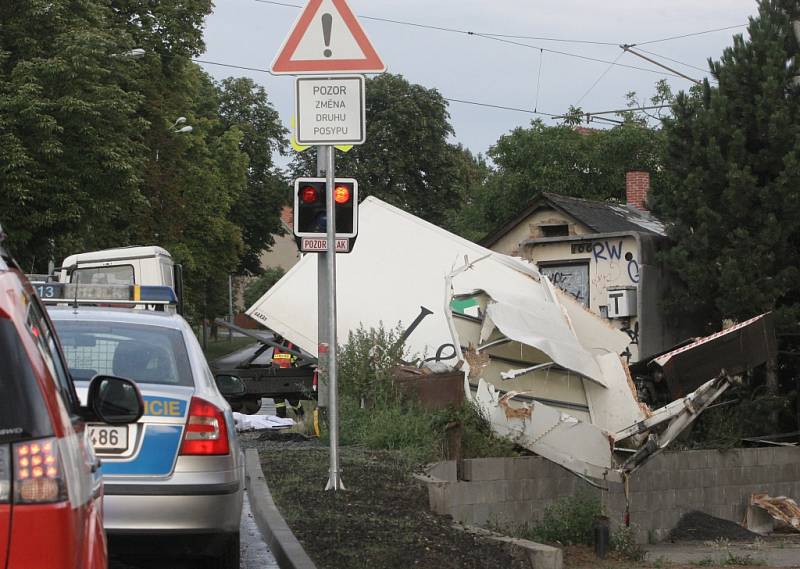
508, 71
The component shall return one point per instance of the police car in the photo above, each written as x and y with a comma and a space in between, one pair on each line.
178, 473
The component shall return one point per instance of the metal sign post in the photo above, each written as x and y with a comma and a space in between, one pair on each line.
334, 476
328, 41
322, 307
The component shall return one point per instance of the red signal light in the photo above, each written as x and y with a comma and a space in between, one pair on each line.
341, 194
309, 195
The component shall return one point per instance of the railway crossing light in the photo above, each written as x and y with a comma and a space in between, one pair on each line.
310, 215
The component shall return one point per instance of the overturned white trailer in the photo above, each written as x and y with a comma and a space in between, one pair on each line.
545, 371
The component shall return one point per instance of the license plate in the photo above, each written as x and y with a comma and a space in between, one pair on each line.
106, 438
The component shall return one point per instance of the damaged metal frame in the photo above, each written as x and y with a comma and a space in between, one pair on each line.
572, 434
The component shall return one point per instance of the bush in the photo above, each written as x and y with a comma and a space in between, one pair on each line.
373, 413
623, 541
569, 521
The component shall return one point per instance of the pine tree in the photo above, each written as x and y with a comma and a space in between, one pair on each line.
733, 150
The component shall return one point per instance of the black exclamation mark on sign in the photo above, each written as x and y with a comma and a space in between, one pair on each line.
327, 24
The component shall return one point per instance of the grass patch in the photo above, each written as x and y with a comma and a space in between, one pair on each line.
732, 560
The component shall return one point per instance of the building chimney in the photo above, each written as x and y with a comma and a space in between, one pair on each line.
637, 185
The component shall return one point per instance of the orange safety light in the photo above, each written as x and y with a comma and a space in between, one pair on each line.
341, 194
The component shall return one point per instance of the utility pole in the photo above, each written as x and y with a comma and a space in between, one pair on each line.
230, 306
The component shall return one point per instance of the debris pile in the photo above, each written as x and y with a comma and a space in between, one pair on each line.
699, 526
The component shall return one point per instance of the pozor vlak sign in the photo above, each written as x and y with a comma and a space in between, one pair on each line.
330, 110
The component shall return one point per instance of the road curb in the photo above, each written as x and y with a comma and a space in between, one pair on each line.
284, 545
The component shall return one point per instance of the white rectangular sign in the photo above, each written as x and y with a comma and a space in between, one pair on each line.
317, 245
330, 110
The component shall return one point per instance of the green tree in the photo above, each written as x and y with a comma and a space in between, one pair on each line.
407, 159
565, 160
191, 189
245, 105
71, 146
261, 285
734, 152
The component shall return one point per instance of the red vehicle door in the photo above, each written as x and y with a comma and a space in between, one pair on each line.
54, 479
5, 505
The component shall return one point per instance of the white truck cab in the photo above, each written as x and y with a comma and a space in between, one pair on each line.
138, 265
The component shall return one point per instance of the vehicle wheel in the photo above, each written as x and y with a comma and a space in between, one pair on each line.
251, 406
229, 559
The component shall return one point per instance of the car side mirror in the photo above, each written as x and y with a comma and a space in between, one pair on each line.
230, 385
114, 400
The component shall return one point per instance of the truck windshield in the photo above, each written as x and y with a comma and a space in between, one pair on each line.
114, 275
145, 354
22, 411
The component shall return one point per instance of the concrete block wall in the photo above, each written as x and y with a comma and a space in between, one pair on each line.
517, 490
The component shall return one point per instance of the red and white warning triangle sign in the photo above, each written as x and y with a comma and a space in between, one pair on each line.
327, 38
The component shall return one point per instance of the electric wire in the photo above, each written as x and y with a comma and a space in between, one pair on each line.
539, 80
692, 34
502, 107
507, 38
603, 74
462, 101
585, 57
207, 62
446, 29
545, 38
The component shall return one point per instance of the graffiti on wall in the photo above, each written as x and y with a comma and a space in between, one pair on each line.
571, 278
609, 252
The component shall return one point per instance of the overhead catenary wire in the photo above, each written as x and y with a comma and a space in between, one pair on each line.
446, 29
603, 74
692, 34
502, 107
576, 55
463, 101
507, 38
242, 67
539, 80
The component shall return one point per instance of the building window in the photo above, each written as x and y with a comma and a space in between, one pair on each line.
572, 278
560, 230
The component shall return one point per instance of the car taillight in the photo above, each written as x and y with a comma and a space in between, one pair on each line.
5, 474
206, 432
38, 476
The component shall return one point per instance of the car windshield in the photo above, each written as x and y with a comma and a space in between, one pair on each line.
146, 354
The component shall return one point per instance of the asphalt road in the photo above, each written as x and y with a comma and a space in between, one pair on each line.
255, 553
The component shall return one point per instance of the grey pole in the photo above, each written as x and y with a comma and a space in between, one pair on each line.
322, 304
230, 305
334, 476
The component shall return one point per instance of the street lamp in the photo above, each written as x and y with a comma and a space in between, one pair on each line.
175, 130
135, 53
184, 129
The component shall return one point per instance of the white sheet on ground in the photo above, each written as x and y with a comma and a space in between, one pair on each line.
260, 422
